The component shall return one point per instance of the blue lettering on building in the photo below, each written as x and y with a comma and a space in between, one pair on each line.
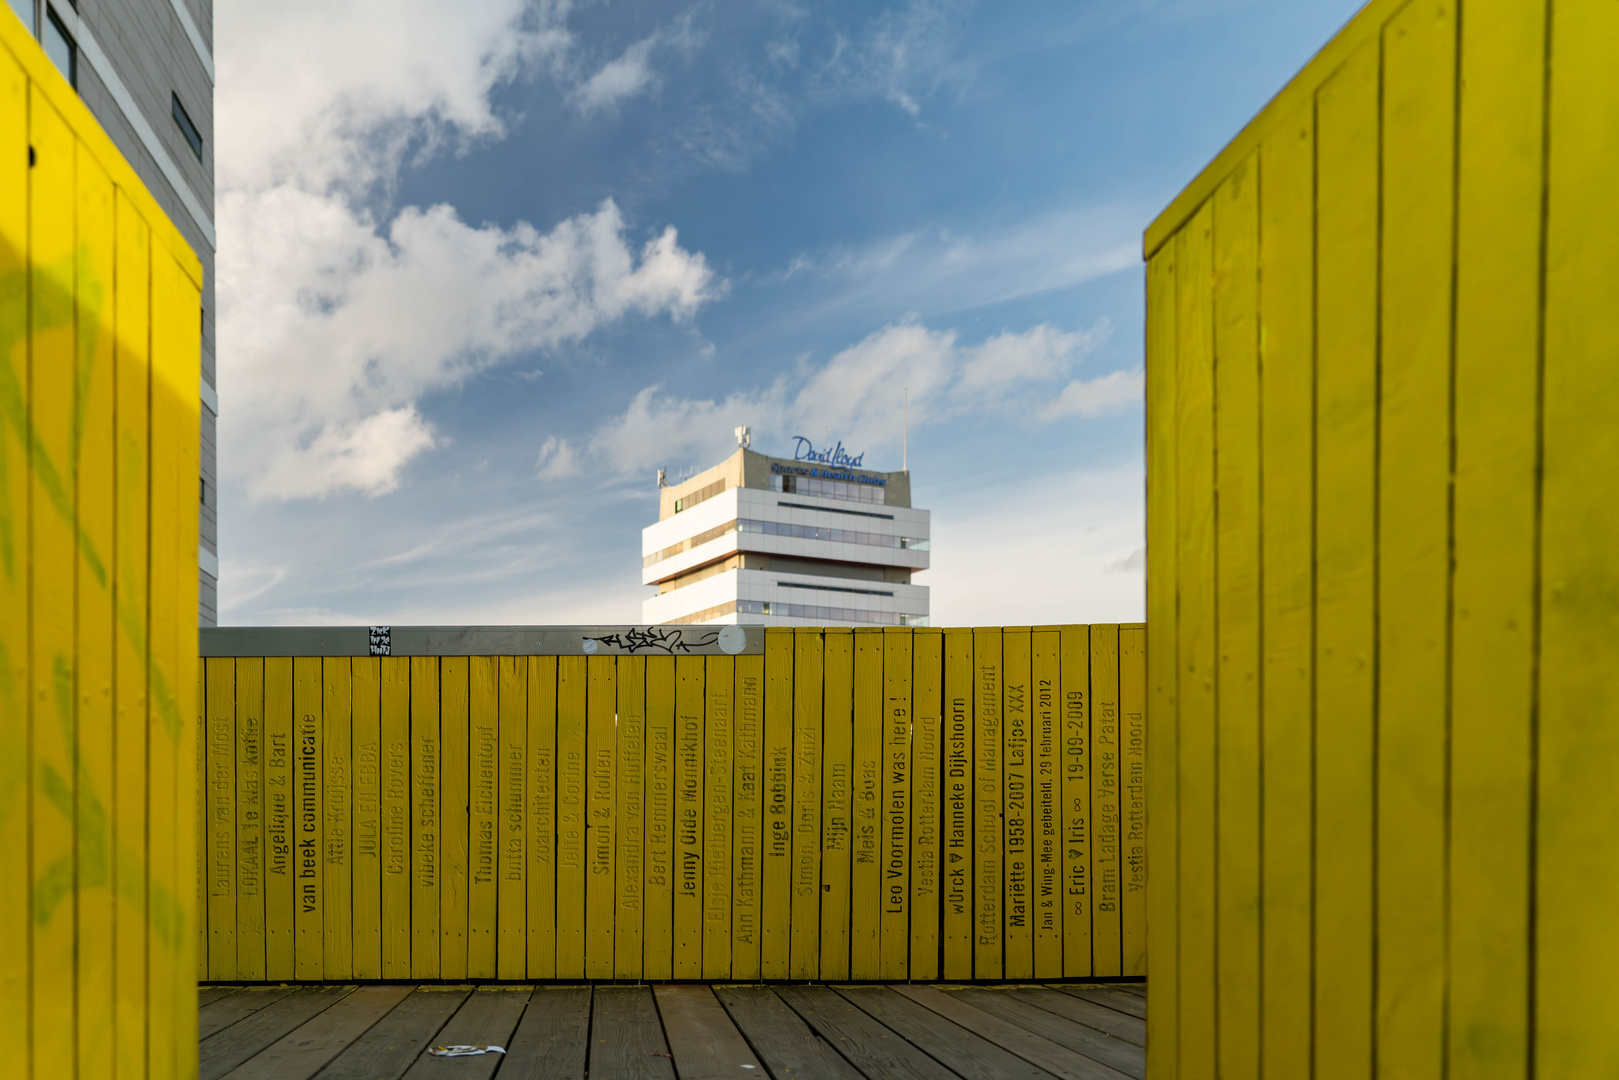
828, 474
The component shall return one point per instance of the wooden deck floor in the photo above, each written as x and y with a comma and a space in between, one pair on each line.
1071, 1031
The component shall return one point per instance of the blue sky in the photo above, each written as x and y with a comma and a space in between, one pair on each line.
484, 269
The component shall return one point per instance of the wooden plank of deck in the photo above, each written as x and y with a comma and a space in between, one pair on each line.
1058, 1060
780, 1037
876, 1051
1089, 1013
304, 1052
1113, 999
626, 1039
224, 1050
395, 1041
221, 1013
487, 1017
209, 994
1139, 989
702, 1037
1127, 1058
970, 1055
552, 1038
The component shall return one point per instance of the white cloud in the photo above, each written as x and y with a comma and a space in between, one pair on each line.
1096, 397
323, 92
331, 330
620, 78
557, 459
861, 393
333, 323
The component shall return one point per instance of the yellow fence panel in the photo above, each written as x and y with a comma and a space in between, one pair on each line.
1381, 666
115, 736
823, 804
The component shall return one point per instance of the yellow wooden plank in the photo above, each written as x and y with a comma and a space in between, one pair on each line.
1018, 778
1162, 668
1078, 901
483, 900
50, 561
629, 869
219, 817
176, 351
1577, 881
1498, 220
719, 683
94, 621
1236, 538
367, 836
956, 923
337, 808
989, 835
1106, 948
1347, 121
804, 960
511, 960
426, 870
1419, 75
542, 817
1133, 800
171, 892
280, 837
309, 920
687, 841
926, 736
657, 950
1195, 540
777, 751
394, 903
600, 748
454, 855
747, 803
837, 804
1285, 263
894, 845
249, 824
15, 531
200, 783
865, 873
570, 801
130, 583
1045, 725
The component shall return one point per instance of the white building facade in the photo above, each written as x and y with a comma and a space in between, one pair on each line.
816, 541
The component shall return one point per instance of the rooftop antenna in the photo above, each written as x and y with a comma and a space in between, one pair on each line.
743, 438
905, 446
663, 478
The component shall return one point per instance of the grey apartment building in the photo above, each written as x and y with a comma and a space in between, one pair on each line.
145, 69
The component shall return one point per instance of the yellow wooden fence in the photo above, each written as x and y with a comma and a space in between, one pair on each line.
99, 375
834, 804
1382, 391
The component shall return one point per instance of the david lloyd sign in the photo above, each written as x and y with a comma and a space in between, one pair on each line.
805, 451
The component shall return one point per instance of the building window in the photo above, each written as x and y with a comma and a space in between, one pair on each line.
828, 489
60, 48
834, 614
25, 12
182, 120
703, 495
836, 536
